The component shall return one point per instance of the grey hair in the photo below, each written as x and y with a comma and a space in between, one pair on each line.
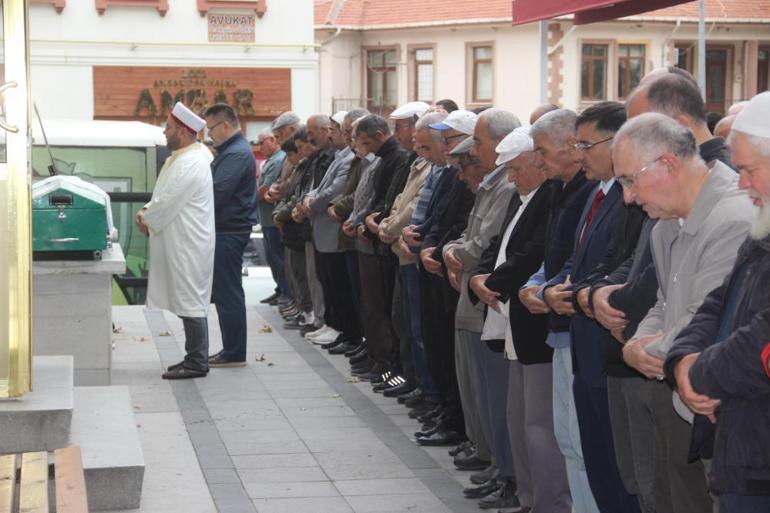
651, 134
559, 125
320, 120
357, 113
286, 119
265, 133
372, 124
760, 144
430, 118
499, 122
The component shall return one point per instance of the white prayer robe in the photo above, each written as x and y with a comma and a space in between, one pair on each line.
180, 217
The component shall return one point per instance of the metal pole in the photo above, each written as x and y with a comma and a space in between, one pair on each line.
543, 62
702, 50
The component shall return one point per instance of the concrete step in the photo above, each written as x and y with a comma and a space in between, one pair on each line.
104, 427
40, 420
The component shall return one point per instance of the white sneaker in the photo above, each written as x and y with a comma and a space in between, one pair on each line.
320, 331
324, 338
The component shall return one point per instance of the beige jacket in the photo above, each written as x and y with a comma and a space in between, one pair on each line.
404, 204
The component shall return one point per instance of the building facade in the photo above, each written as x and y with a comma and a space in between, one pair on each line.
132, 59
392, 51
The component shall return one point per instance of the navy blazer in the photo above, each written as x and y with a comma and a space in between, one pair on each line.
586, 335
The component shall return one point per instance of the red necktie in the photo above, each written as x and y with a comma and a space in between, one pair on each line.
592, 213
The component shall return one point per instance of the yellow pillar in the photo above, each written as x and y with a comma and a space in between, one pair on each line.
15, 190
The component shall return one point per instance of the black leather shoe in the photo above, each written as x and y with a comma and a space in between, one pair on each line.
333, 343
271, 299
403, 388
504, 497
485, 475
343, 348
441, 437
183, 372
175, 366
360, 368
417, 392
466, 447
359, 357
483, 490
419, 401
472, 462
358, 348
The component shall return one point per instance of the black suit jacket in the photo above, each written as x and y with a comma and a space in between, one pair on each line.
524, 255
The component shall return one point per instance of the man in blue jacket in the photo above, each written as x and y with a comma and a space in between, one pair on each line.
234, 172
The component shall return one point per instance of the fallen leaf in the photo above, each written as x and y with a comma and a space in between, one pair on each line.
270, 364
138, 407
117, 329
142, 339
164, 334
266, 329
261, 358
353, 379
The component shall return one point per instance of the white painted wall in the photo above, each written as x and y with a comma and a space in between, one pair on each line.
516, 57
65, 47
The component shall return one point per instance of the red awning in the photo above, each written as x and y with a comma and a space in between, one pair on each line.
585, 11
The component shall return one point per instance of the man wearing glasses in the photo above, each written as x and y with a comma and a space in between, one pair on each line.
704, 217
234, 173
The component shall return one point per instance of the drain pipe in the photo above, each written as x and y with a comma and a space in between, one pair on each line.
665, 44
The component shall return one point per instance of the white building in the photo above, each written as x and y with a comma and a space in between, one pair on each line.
385, 53
127, 59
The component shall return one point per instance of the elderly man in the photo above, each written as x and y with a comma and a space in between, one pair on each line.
234, 172
506, 265
269, 146
404, 121
330, 260
179, 219
703, 218
481, 372
593, 235
378, 269
554, 137
282, 127
713, 359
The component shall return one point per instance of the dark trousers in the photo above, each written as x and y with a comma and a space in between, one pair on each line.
732, 503
438, 333
593, 414
196, 342
274, 255
227, 294
351, 257
410, 287
377, 327
339, 310
296, 274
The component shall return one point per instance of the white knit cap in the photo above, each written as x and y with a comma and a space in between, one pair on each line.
513, 145
187, 118
339, 117
754, 119
410, 110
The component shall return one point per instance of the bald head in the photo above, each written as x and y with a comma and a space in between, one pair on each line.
540, 110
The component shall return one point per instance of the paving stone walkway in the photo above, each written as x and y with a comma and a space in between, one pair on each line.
286, 433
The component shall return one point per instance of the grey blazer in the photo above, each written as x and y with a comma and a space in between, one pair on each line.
693, 258
326, 233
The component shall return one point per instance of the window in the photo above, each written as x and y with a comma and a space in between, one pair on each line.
381, 84
763, 69
482, 74
593, 72
630, 68
423, 74
684, 56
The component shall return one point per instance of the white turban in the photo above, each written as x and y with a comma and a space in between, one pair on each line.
754, 119
188, 118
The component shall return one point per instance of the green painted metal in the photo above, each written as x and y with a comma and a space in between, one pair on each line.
65, 221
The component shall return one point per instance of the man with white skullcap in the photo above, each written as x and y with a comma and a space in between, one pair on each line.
404, 119
716, 360
179, 220
505, 266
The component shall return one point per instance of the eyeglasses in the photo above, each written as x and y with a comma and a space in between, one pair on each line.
445, 140
629, 181
210, 128
585, 146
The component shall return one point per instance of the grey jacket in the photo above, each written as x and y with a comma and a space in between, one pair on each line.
363, 198
484, 222
326, 232
693, 259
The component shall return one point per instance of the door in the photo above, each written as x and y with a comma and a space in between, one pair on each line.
763, 69
716, 79
15, 231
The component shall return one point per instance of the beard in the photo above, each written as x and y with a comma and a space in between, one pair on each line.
760, 228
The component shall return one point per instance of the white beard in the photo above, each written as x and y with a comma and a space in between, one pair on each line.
760, 228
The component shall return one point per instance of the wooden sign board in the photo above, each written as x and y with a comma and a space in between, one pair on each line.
148, 93
231, 28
